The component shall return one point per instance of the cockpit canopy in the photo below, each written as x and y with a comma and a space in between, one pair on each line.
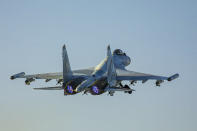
118, 52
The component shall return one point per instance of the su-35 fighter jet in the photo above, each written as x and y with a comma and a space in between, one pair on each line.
105, 77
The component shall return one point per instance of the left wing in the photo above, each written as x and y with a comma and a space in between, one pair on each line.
57, 75
38, 76
137, 76
50, 88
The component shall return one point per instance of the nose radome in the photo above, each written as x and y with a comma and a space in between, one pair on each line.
128, 60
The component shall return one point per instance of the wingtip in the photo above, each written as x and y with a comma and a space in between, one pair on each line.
12, 78
175, 76
17, 75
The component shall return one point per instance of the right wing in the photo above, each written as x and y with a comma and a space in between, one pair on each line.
131, 75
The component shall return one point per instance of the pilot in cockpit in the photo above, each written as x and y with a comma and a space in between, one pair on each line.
119, 52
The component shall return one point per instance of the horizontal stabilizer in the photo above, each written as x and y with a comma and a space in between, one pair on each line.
173, 77
17, 75
50, 88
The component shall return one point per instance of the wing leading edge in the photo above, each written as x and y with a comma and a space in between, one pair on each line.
57, 75
137, 76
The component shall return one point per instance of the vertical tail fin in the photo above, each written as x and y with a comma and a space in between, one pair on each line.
111, 70
67, 72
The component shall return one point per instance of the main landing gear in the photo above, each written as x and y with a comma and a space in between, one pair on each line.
126, 87
111, 93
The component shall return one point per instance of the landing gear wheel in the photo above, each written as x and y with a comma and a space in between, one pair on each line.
126, 86
130, 92
111, 93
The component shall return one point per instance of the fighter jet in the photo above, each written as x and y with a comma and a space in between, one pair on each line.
105, 77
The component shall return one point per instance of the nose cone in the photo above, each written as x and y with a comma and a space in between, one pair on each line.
127, 61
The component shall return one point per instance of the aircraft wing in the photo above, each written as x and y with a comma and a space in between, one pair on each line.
87, 71
121, 75
49, 88
45, 76
137, 76
57, 75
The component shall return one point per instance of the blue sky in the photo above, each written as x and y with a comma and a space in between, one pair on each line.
158, 35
